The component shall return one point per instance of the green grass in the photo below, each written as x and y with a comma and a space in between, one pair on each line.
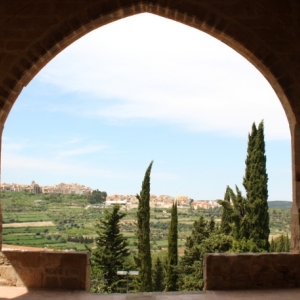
13, 230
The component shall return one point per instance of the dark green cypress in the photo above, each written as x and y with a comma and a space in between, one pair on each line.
211, 226
256, 185
249, 165
190, 271
226, 217
236, 215
143, 234
198, 235
280, 244
248, 218
158, 275
171, 274
287, 244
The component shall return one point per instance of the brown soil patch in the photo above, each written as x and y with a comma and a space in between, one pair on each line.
29, 224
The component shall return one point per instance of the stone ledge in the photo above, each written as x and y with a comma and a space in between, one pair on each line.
251, 271
47, 270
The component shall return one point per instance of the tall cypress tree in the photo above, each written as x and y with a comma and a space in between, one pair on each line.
226, 217
256, 185
158, 275
143, 235
171, 274
249, 159
248, 218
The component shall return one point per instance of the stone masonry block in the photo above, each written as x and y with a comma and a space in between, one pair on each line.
9, 274
29, 277
251, 270
44, 269
51, 282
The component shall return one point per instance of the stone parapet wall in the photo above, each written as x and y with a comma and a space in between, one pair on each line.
47, 270
251, 271
0, 226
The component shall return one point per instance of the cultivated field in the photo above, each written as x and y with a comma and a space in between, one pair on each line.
67, 222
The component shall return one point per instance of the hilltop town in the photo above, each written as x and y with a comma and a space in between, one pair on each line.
162, 201
126, 201
34, 188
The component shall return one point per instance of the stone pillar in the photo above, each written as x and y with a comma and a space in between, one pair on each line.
0, 227
1, 131
295, 213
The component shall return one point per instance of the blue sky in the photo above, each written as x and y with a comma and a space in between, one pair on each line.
140, 89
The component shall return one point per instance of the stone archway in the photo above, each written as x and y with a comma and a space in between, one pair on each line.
32, 33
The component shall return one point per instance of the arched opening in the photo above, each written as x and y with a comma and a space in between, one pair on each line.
206, 93
48, 55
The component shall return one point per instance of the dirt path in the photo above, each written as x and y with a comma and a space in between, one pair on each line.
29, 224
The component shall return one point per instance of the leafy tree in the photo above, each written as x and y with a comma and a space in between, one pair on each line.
158, 275
97, 197
205, 238
98, 284
143, 258
244, 245
172, 261
211, 226
235, 209
272, 245
190, 266
280, 244
287, 244
111, 251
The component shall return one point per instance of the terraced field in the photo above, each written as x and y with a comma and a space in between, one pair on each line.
68, 222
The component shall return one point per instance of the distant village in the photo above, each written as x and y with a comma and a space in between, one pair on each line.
126, 201
34, 188
163, 201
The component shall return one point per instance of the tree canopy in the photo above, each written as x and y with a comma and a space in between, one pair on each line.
111, 250
247, 218
97, 197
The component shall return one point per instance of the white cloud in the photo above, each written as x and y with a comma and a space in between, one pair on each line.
14, 147
147, 67
80, 151
21, 163
59, 170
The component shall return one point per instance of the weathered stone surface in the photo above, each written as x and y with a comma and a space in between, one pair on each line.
251, 271
52, 270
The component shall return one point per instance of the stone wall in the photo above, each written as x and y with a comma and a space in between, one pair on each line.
251, 271
48, 270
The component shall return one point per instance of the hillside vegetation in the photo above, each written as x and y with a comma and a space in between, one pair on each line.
26, 220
